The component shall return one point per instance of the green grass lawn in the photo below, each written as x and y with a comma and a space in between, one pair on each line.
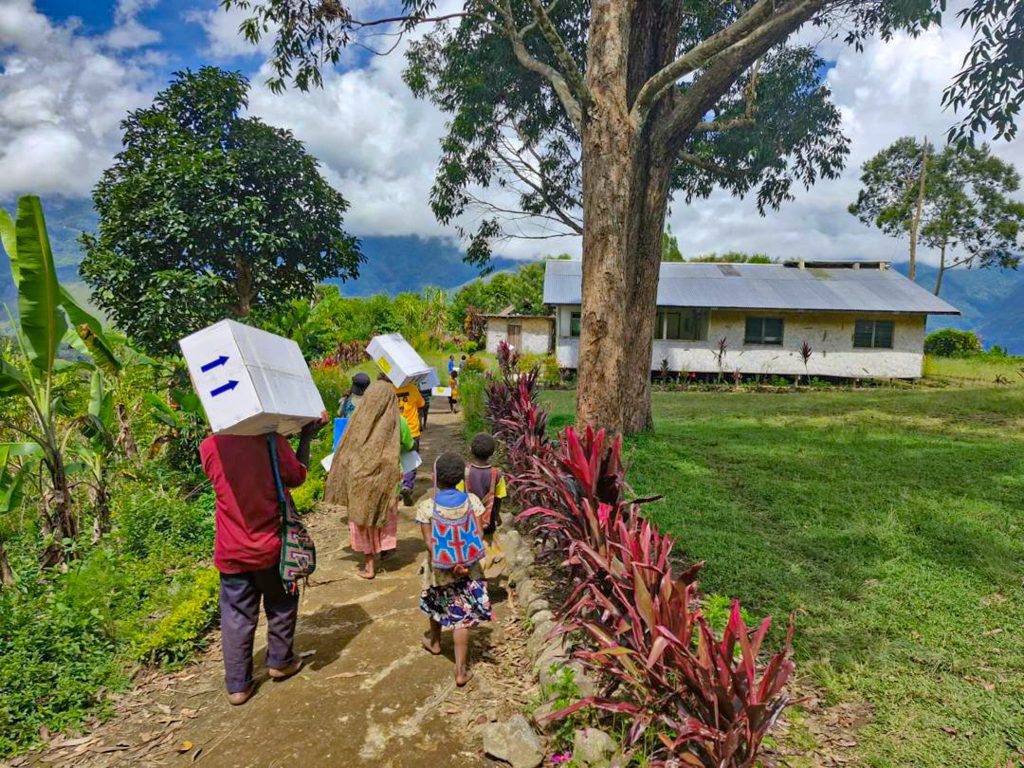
890, 521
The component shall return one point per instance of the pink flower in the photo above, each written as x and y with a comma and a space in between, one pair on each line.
565, 757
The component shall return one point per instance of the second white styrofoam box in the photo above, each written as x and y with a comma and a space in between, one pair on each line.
397, 359
250, 382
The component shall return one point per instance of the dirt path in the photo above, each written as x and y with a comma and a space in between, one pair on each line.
369, 695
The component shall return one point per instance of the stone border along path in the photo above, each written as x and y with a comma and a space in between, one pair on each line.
368, 695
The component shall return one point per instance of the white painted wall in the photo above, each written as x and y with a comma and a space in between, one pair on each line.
830, 336
536, 334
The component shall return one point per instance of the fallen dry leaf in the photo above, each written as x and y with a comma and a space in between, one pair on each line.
185, 746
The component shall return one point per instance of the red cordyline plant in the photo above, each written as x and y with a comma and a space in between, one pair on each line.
709, 701
571, 484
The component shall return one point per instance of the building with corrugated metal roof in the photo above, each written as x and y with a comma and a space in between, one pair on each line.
857, 319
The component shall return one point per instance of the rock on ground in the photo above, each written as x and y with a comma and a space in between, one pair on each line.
592, 747
514, 742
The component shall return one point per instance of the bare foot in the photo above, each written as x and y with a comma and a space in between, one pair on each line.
365, 573
461, 679
432, 646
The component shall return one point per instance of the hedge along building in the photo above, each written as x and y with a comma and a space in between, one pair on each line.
531, 334
857, 319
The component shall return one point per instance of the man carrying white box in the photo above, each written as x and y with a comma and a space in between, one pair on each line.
253, 384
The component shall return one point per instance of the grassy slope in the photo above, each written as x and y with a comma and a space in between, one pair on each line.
890, 522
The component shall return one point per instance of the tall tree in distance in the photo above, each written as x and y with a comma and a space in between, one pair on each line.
593, 113
958, 201
894, 184
973, 221
670, 246
206, 214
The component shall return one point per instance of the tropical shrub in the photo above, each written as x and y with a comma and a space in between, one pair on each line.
180, 632
332, 381
688, 695
950, 342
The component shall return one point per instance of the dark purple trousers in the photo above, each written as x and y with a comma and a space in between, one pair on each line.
240, 596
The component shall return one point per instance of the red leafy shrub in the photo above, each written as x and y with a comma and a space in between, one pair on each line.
709, 702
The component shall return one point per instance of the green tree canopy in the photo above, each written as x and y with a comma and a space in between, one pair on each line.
588, 117
522, 290
206, 213
670, 246
964, 207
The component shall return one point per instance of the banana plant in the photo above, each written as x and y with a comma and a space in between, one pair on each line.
12, 478
48, 316
100, 429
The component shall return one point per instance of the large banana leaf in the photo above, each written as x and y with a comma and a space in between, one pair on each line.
11, 482
101, 401
12, 381
89, 331
9, 237
42, 321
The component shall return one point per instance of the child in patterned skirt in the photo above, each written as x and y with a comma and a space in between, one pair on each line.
452, 599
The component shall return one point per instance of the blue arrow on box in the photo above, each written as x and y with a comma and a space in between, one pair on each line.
224, 388
214, 363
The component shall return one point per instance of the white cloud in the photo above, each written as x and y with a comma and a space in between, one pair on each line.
127, 32
64, 93
891, 89
62, 98
223, 40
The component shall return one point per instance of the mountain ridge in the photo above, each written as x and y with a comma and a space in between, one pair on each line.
991, 300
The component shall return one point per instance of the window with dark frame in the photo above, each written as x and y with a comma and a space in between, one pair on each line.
574, 325
873, 334
681, 325
764, 330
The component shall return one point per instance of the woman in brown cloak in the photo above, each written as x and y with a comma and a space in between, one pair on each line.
365, 474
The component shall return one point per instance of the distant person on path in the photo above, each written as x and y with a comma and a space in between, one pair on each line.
425, 393
451, 364
454, 599
247, 549
487, 483
484, 480
453, 385
364, 478
410, 401
350, 401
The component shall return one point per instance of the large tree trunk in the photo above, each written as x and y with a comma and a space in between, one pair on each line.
625, 199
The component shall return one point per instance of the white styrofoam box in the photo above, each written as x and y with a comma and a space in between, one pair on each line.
441, 392
410, 461
433, 380
250, 382
397, 359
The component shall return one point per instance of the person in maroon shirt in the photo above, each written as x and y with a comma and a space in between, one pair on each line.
247, 546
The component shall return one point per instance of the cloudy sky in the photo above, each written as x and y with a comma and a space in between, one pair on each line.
70, 70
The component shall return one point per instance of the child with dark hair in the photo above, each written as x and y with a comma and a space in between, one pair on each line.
484, 480
453, 598
453, 384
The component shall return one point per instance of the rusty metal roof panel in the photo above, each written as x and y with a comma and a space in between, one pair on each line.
768, 286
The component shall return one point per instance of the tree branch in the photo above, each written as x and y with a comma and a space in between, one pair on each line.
749, 112
557, 80
711, 167
565, 60
539, 187
727, 65
696, 57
